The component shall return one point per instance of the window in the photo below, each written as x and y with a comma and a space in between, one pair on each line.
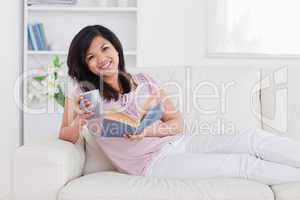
254, 27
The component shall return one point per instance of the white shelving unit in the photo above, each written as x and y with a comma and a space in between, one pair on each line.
61, 23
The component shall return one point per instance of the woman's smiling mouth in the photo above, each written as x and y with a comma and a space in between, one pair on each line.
106, 64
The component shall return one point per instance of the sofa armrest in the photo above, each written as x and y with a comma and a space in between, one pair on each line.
41, 170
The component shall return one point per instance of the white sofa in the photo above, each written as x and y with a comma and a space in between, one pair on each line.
219, 99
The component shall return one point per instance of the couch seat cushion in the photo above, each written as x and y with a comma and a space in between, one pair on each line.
287, 191
117, 186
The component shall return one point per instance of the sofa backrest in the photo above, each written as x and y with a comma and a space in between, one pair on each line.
214, 100
281, 100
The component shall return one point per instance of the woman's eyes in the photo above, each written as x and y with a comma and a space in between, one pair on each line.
89, 58
105, 48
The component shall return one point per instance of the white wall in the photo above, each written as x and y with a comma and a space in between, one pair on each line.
159, 36
10, 35
173, 32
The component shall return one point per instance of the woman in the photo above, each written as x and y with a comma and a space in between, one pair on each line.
96, 60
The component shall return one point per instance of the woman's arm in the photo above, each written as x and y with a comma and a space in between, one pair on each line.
73, 120
69, 129
171, 122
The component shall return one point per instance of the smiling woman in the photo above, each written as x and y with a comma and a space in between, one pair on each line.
96, 54
102, 58
96, 62
133, 106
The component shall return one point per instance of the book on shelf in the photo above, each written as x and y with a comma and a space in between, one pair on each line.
36, 37
30, 44
44, 39
31, 37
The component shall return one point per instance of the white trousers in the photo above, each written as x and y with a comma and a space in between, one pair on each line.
252, 154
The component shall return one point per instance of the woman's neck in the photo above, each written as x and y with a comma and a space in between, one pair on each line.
113, 81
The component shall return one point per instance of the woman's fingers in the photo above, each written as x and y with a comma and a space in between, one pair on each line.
83, 122
89, 106
86, 115
83, 111
78, 99
125, 136
78, 110
134, 136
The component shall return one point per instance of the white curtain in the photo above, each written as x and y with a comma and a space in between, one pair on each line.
254, 27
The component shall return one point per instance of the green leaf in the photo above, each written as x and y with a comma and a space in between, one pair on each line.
56, 62
60, 97
39, 78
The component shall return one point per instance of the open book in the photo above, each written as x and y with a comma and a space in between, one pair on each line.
116, 128
116, 124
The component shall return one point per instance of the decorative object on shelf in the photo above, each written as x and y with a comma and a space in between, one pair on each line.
47, 84
37, 89
56, 80
123, 3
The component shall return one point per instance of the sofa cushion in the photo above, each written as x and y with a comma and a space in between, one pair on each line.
117, 186
95, 159
287, 191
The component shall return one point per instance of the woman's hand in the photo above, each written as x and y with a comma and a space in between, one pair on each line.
82, 114
134, 137
145, 132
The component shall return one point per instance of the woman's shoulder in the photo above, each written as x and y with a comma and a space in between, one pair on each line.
73, 88
144, 78
148, 81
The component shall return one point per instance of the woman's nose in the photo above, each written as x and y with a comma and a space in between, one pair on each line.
99, 57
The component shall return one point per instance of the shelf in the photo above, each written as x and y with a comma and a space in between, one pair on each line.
123, 21
46, 53
81, 9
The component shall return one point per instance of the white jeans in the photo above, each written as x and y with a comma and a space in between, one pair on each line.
253, 154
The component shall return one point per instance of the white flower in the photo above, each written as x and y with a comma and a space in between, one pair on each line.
36, 91
40, 90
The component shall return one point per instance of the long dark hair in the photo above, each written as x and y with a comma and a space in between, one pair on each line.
78, 69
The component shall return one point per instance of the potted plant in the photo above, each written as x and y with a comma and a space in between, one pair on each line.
47, 84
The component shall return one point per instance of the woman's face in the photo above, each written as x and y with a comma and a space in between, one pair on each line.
102, 58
